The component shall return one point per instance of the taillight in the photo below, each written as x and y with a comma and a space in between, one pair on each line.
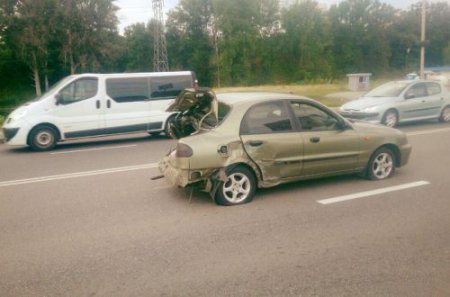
184, 151
196, 84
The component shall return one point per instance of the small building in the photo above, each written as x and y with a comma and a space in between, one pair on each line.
359, 81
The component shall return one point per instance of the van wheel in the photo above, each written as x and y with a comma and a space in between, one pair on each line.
390, 118
445, 115
43, 138
238, 189
167, 128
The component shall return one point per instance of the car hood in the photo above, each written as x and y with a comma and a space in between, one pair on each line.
367, 102
197, 110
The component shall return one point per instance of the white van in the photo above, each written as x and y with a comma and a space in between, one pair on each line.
88, 105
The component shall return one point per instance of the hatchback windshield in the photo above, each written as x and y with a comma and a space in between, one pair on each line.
391, 89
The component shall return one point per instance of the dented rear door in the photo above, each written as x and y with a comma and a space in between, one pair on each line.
271, 140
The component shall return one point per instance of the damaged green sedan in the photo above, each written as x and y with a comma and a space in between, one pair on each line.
234, 143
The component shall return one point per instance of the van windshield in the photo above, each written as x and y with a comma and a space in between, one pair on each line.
55, 87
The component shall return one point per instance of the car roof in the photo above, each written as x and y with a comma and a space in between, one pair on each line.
137, 74
253, 97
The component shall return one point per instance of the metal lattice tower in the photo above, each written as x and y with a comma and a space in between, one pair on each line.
160, 58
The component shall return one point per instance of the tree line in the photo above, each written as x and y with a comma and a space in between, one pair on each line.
227, 43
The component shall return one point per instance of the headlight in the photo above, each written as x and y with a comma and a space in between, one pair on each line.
370, 109
15, 116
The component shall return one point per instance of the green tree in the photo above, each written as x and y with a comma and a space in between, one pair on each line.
306, 42
360, 35
139, 47
190, 38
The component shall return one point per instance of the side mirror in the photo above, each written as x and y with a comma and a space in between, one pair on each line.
59, 99
342, 125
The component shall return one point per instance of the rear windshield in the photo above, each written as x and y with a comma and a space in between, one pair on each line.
223, 111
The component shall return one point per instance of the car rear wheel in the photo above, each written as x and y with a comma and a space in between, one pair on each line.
238, 189
43, 138
381, 164
390, 118
445, 115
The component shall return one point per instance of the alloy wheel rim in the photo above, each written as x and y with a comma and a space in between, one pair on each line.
237, 188
391, 119
382, 165
44, 138
446, 114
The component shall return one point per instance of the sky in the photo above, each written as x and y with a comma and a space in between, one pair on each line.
140, 11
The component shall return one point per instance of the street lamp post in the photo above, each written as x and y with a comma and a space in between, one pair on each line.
422, 41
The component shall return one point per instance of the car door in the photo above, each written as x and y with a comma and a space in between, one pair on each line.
417, 104
128, 105
78, 111
435, 99
327, 146
271, 140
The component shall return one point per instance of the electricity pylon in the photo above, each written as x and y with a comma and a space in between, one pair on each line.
160, 59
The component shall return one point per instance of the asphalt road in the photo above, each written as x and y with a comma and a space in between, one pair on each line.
86, 220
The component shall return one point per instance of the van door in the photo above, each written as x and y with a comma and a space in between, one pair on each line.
78, 110
128, 105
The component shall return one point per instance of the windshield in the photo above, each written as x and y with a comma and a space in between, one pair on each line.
391, 89
56, 86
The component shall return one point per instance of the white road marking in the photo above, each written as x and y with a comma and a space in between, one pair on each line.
427, 131
75, 175
94, 149
373, 192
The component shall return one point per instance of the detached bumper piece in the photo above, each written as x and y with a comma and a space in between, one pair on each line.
10, 133
176, 177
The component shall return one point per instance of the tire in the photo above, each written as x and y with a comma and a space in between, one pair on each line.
390, 118
381, 164
167, 127
445, 115
43, 138
238, 189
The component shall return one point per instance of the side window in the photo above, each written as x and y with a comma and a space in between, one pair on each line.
123, 90
433, 89
312, 118
168, 87
79, 90
266, 118
416, 91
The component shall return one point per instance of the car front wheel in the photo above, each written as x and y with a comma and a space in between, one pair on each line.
381, 164
445, 115
43, 138
239, 188
390, 118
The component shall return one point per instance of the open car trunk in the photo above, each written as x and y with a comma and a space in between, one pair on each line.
197, 110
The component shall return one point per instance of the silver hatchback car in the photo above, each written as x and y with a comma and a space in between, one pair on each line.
401, 101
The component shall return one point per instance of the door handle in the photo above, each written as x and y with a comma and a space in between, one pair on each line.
315, 139
97, 104
255, 142
108, 103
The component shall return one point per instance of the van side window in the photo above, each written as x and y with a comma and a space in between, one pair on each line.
169, 87
79, 90
124, 90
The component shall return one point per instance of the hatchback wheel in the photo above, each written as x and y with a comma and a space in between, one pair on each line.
390, 118
445, 115
238, 189
381, 164
43, 139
